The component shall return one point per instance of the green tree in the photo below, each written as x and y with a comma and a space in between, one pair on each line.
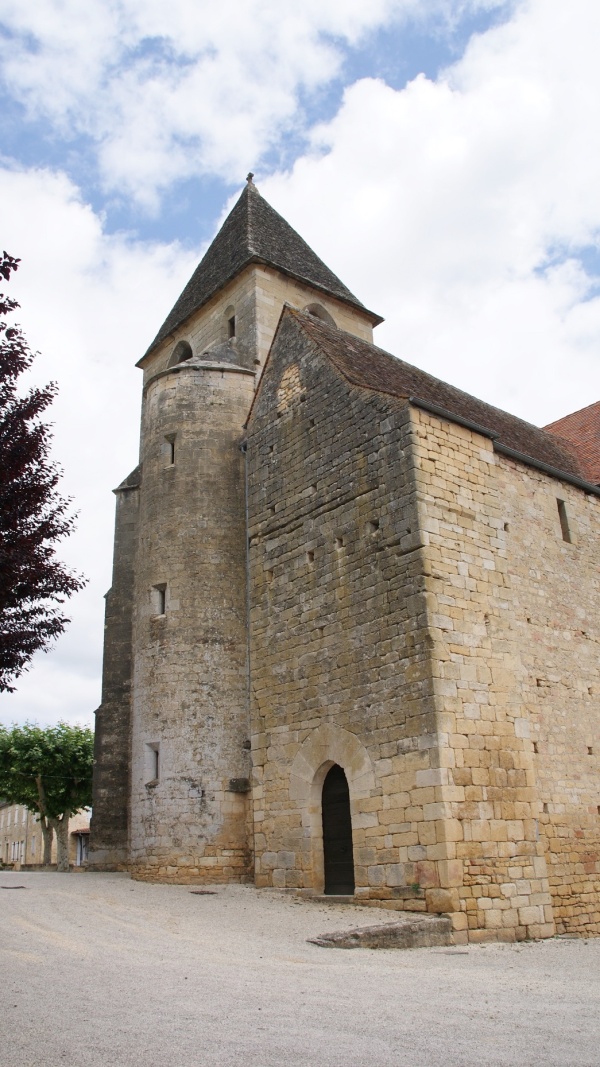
49, 771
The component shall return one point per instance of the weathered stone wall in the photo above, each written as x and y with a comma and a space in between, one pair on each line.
340, 656
555, 591
513, 615
486, 797
109, 826
189, 822
208, 326
273, 290
412, 604
256, 297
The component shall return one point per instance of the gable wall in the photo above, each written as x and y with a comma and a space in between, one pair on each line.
340, 661
273, 290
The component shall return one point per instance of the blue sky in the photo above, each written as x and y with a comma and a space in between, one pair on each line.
188, 209
442, 156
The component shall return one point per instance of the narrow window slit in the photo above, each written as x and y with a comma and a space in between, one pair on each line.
231, 326
564, 521
152, 763
170, 439
159, 599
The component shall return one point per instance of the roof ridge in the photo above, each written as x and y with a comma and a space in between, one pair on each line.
249, 192
367, 366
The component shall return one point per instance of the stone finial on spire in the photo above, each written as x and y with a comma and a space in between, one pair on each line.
249, 178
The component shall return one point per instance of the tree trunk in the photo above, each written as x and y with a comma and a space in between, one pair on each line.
62, 842
47, 832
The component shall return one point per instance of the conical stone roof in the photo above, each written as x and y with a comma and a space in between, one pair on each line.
254, 232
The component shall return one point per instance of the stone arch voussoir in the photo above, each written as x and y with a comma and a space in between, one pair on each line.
326, 745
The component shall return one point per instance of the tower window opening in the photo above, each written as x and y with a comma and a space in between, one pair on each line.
231, 326
181, 352
170, 449
159, 599
319, 312
564, 521
153, 763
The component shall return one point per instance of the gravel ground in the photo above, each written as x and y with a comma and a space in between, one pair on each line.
100, 970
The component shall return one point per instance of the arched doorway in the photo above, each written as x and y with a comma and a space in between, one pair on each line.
338, 857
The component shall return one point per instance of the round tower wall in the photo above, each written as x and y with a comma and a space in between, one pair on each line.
190, 766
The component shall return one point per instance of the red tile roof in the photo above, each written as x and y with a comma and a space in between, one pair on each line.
582, 431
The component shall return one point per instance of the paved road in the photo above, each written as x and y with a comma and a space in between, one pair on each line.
100, 971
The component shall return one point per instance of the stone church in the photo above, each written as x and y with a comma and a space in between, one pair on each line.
352, 636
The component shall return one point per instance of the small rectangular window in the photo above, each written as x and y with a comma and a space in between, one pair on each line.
159, 599
170, 449
152, 762
231, 326
564, 521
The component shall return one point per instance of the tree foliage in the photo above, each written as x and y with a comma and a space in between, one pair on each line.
33, 515
49, 771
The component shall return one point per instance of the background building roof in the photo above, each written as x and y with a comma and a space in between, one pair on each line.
582, 431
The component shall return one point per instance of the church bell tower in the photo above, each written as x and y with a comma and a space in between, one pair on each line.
173, 762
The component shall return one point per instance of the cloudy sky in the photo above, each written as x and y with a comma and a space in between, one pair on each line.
442, 156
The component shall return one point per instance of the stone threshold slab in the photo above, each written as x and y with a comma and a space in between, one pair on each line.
408, 931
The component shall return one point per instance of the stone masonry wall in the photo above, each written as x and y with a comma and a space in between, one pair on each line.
190, 729
486, 795
256, 297
109, 832
339, 643
273, 290
512, 615
555, 588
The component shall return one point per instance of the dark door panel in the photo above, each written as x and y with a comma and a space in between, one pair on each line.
337, 834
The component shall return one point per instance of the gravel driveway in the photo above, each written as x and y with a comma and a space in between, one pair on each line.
100, 970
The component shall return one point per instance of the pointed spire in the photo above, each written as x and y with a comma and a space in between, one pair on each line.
254, 232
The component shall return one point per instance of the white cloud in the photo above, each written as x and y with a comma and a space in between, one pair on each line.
456, 208
169, 91
91, 303
444, 205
